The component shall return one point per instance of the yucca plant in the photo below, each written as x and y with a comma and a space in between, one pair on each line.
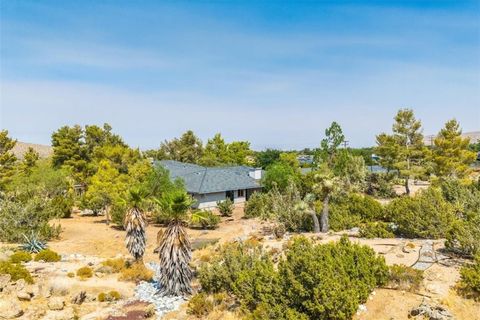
135, 223
174, 248
33, 244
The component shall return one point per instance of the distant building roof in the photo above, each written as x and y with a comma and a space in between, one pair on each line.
200, 179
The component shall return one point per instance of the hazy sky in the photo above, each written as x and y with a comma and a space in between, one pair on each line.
275, 73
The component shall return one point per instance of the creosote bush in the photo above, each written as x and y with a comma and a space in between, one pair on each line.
85, 273
226, 207
378, 229
20, 256
200, 305
469, 285
404, 278
16, 271
48, 255
303, 286
426, 215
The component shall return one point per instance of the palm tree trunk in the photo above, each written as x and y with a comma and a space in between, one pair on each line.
175, 255
316, 224
324, 215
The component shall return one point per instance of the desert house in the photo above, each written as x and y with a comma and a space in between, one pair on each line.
211, 184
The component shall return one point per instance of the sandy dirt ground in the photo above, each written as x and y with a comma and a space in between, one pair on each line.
90, 236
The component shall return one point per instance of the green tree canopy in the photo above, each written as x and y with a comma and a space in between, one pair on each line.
404, 149
7, 158
450, 154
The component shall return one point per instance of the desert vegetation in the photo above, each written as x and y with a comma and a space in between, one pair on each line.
290, 271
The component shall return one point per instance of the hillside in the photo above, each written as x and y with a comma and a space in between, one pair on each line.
474, 137
21, 148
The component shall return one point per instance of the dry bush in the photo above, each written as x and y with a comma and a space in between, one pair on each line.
84, 273
117, 264
136, 272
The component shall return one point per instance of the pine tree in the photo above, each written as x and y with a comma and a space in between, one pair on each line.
7, 159
404, 149
450, 155
30, 159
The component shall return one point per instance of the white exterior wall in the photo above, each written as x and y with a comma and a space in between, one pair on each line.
209, 200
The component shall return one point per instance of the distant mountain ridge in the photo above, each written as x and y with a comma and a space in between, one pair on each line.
21, 148
474, 137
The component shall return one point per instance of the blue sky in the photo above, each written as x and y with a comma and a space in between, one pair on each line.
275, 73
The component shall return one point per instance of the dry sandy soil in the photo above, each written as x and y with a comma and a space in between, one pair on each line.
91, 237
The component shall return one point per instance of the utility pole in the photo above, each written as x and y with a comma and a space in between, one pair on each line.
345, 144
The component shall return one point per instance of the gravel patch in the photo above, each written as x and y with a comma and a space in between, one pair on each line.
147, 291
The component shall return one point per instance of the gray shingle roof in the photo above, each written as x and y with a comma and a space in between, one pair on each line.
200, 179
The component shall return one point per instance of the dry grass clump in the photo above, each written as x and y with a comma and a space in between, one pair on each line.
16, 271
20, 256
84, 273
71, 275
136, 272
48, 255
404, 278
117, 264
110, 296
59, 287
202, 304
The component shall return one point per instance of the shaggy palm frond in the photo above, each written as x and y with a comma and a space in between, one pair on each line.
175, 254
135, 240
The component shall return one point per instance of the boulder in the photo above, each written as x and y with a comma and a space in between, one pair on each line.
4, 280
9, 308
56, 303
24, 295
66, 314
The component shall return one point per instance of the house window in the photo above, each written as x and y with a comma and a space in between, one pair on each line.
241, 193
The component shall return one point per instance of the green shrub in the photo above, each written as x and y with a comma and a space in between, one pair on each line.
226, 207
427, 215
20, 256
200, 305
404, 278
84, 273
102, 297
204, 219
329, 281
16, 271
350, 211
62, 205
23, 214
469, 284
464, 235
324, 281
380, 185
114, 295
258, 205
376, 230
48, 255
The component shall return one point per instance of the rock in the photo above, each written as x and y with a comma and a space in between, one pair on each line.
4, 256
67, 314
20, 284
4, 280
56, 303
9, 309
24, 295
430, 312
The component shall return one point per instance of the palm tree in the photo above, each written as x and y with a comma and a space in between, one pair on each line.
135, 223
174, 249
